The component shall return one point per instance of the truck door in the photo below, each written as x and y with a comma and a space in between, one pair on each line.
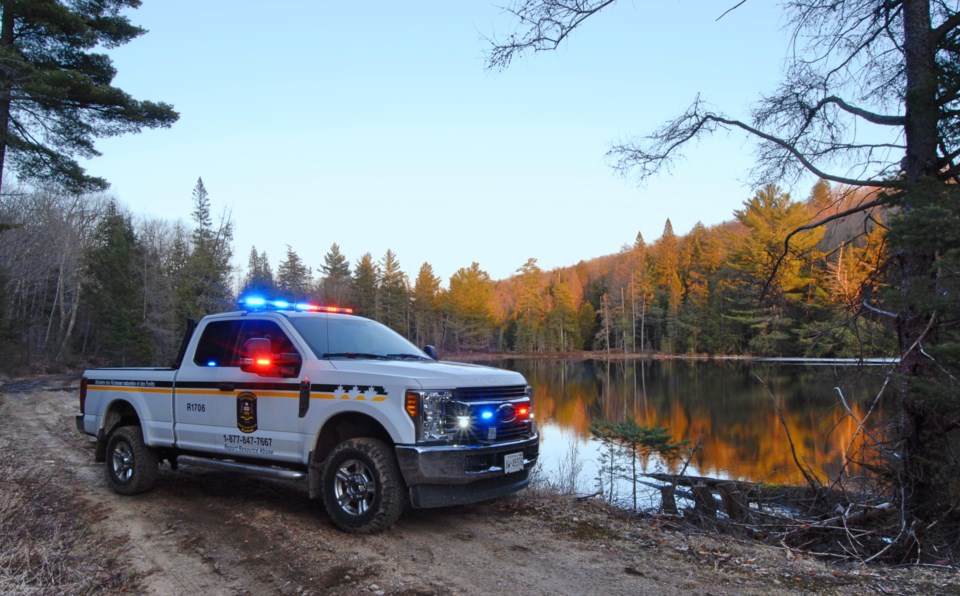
220, 408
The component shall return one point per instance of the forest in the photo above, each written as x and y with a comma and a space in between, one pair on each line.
83, 282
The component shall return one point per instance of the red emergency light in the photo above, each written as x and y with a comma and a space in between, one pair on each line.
260, 303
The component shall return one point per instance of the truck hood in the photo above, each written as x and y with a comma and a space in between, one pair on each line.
429, 374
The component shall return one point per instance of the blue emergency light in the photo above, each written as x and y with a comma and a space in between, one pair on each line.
261, 303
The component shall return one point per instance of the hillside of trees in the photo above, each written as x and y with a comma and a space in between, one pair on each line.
83, 282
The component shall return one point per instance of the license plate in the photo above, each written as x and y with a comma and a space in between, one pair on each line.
512, 462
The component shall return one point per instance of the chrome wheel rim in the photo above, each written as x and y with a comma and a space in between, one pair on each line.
122, 461
354, 487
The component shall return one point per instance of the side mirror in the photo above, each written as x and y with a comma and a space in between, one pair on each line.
257, 357
432, 352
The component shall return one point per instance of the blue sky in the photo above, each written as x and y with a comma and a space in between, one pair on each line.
376, 126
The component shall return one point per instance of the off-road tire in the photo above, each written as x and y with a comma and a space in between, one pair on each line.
132, 466
363, 490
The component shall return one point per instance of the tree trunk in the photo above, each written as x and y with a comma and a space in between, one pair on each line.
73, 320
916, 324
6, 87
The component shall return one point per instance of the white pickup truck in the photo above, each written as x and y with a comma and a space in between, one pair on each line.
370, 422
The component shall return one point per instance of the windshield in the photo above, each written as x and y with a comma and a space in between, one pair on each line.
354, 337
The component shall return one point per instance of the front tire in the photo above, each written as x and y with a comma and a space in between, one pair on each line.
363, 490
132, 466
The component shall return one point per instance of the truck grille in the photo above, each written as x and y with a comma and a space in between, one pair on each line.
492, 413
471, 394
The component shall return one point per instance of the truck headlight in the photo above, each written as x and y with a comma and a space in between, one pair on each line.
429, 411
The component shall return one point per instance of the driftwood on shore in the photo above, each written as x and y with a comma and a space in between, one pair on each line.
796, 517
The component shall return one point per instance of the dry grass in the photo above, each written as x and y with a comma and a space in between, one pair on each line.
46, 544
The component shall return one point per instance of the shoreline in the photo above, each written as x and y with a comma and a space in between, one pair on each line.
660, 356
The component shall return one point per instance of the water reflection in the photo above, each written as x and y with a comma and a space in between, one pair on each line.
731, 407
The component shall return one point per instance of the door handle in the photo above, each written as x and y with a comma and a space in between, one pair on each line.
226, 387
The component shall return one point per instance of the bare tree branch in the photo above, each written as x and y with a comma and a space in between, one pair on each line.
866, 115
732, 8
546, 24
665, 143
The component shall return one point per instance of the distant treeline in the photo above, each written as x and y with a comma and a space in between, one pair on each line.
82, 281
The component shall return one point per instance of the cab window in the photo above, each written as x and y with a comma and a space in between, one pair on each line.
222, 341
217, 343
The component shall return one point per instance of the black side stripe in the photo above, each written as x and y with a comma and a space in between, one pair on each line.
133, 384
254, 386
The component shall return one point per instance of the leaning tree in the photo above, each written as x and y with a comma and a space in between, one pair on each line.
870, 99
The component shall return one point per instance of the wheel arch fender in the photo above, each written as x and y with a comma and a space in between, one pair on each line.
119, 412
338, 428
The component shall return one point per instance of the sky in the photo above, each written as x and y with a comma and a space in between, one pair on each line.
375, 125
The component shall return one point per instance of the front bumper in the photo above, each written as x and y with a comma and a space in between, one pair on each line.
444, 475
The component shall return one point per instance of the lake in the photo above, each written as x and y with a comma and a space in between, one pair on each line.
730, 407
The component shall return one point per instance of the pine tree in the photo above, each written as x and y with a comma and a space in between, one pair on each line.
366, 277
116, 292
393, 291
471, 316
667, 270
587, 324
530, 310
294, 278
55, 91
259, 280
336, 285
782, 280
562, 323
425, 308
203, 281
642, 292
695, 318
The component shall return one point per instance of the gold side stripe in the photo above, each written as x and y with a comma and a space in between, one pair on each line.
136, 389
288, 394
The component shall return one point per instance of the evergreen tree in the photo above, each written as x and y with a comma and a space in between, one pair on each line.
642, 291
667, 271
259, 280
587, 325
294, 278
695, 317
203, 279
470, 300
336, 285
116, 292
425, 308
562, 322
782, 280
366, 277
530, 310
393, 291
55, 91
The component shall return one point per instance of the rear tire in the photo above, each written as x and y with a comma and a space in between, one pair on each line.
132, 466
363, 490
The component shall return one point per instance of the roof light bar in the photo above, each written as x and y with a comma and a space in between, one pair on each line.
260, 303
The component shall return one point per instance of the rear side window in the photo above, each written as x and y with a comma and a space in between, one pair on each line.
216, 347
222, 341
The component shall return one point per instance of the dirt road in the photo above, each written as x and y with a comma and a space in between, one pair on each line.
203, 531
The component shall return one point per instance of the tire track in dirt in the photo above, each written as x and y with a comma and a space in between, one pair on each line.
42, 423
